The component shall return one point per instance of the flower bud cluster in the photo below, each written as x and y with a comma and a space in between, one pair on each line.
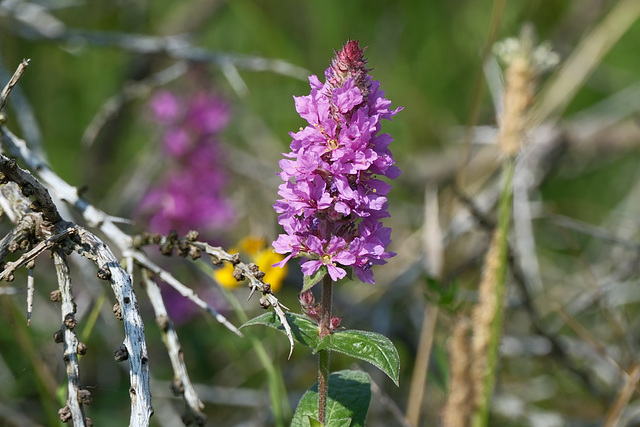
312, 309
333, 199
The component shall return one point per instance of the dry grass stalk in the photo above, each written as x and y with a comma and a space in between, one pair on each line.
482, 316
459, 404
518, 96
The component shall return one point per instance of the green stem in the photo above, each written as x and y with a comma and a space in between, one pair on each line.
323, 355
277, 390
481, 416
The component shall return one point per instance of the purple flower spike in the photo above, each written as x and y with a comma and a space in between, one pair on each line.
333, 201
190, 193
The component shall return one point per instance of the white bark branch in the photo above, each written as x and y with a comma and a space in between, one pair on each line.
70, 354
182, 383
134, 340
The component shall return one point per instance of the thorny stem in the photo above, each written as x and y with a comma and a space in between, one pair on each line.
323, 355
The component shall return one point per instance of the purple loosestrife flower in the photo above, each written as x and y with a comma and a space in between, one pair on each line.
190, 193
332, 201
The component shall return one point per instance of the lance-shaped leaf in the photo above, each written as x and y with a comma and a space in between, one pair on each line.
368, 346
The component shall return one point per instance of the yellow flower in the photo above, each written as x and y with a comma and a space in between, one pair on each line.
260, 254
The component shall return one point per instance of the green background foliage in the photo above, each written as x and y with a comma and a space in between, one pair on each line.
427, 54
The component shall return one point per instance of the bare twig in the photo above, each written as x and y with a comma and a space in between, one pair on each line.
14, 81
130, 92
93, 248
30, 187
97, 218
30, 290
181, 384
76, 397
624, 395
33, 253
433, 261
177, 47
185, 291
256, 284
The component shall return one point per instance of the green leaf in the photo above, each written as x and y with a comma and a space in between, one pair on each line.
303, 330
368, 346
309, 281
314, 423
443, 295
348, 400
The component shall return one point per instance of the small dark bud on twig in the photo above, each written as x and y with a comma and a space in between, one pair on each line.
264, 303
70, 321
163, 323
88, 421
201, 419
104, 273
117, 311
183, 250
121, 354
191, 236
28, 190
238, 275
55, 296
177, 388
82, 349
235, 259
65, 414
58, 336
194, 253
84, 396
215, 260
166, 249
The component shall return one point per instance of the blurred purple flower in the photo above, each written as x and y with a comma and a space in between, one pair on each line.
332, 202
190, 193
165, 107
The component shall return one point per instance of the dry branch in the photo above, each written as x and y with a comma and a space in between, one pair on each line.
70, 354
181, 383
93, 248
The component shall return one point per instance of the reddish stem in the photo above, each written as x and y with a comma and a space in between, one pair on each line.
323, 355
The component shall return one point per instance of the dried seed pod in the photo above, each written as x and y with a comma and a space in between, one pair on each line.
238, 275
84, 396
65, 414
264, 303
